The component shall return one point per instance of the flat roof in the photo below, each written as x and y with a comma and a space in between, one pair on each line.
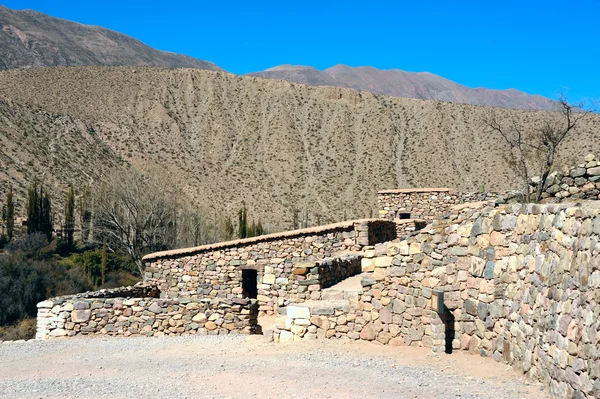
417, 190
253, 240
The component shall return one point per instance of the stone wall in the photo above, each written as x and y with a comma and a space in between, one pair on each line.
581, 182
425, 203
135, 316
521, 285
287, 264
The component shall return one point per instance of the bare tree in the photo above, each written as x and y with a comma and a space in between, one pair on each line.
136, 212
534, 150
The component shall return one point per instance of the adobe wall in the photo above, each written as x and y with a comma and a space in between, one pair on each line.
291, 266
120, 313
521, 285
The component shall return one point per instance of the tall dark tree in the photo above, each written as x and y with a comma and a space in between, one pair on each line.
103, 263
228, 229
10, 214
85, 214
243, 222
39, 210
69, 226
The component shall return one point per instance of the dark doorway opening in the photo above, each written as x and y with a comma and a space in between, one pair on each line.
250, 283
403, 215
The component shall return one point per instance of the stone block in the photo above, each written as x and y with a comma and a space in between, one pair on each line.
298, 312
477, 266
367, 265
268, 279
383, 261
80, 316
368, 333
286, 336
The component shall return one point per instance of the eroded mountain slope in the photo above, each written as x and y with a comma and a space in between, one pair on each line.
278, 145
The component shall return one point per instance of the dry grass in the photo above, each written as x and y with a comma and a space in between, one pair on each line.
24, 329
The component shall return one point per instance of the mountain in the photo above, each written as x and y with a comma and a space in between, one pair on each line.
228, 139
397, 83
31, 39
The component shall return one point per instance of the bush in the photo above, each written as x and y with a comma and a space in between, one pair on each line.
24, 329
23, 284
29, 244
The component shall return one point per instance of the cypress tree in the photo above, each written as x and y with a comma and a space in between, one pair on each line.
39, 211
10, 213
228, 228
243, 222
85, 214
69, 227
103, 263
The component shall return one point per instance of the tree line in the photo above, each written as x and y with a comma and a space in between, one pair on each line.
130, 212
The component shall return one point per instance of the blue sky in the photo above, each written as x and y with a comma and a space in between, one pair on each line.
539, 47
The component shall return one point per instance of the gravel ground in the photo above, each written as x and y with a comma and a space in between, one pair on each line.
235, 367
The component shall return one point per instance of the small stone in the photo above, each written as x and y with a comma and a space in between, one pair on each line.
155, 308
368, 333
210, 325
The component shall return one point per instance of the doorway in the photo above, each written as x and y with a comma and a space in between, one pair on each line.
250, 283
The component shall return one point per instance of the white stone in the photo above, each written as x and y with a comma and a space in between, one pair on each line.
285, 336
268, 279
298, 312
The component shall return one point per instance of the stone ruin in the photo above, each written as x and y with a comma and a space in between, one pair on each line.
520, 283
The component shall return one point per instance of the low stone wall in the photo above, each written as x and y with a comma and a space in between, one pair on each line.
581, 182
425, 203
129, 316
216, 271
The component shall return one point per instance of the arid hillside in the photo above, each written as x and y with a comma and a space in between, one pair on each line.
273, 144
397, 83
31, 39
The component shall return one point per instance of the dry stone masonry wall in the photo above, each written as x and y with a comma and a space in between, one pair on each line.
291, 267
147, 316
521, 284
428, 203
581, 182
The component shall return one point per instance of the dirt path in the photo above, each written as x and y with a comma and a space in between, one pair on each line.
235, 367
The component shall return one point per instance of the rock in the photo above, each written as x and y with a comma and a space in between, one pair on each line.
594, 171
589, 158
199, 318
320, 321
298, 312
367, 281
268, 279
210, 325
81, 305
368, 333
155, 308
45, 305
367, 265
477, 266
398, 306
471, 306
576, 172
80, 316
383, 261
59, 332
385, 316
286, 336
